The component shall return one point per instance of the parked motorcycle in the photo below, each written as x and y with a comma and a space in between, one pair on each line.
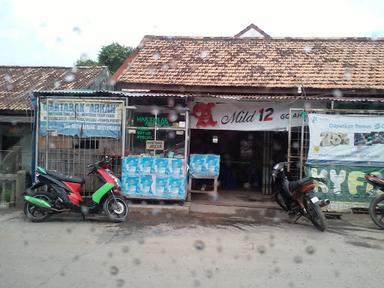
55, 193
298, 197
376, 206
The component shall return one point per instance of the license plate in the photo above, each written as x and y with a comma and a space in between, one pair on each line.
314, 200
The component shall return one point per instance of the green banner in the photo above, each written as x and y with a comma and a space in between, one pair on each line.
344, 183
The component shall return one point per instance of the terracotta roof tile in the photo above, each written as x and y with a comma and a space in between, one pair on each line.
345, 63
17, 82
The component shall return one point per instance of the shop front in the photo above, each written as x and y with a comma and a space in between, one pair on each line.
248, 136
155, 165
164, 148
146, 138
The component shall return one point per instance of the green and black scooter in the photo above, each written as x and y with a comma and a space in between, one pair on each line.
62, 194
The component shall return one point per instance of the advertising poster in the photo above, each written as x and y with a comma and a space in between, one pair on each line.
345, 183
81, 117
153, 178
353, 139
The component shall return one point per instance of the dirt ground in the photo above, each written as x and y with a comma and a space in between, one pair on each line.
260, 248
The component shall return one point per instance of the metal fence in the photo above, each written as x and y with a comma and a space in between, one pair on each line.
12, 175
11, 188
70, 155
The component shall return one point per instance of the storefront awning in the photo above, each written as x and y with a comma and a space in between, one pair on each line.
236, 97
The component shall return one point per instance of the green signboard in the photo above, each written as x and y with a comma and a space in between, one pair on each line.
151, 121
144, 134
344, 183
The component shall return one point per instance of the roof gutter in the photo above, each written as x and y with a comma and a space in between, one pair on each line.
293, 91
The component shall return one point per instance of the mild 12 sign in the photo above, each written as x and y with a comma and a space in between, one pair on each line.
250, 116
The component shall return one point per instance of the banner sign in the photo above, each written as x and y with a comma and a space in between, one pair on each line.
204, 165
81, 117
340, 139
153, 178
344, 183
243, 116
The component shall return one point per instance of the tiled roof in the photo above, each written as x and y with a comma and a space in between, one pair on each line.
17, 82
344, 63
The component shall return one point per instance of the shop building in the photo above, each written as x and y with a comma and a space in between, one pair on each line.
247, 94
243, 99
16, 116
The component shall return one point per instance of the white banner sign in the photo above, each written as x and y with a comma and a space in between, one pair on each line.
341, 138
88, 118
246, 116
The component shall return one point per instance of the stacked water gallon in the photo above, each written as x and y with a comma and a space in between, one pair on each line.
153, 178
204, 165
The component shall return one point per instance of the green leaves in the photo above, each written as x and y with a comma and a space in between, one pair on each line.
86, 62
112, 56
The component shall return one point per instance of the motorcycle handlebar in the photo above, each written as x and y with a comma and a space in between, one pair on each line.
104, 160
320, 179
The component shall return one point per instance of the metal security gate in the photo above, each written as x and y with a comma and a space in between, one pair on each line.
267, 164
298, 143
70, 154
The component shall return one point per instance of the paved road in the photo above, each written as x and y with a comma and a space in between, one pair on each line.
165, 250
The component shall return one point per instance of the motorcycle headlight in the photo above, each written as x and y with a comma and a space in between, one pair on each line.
118, 182
116, 179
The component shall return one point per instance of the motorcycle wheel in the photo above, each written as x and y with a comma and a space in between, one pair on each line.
34, 213
315, 215
376, 210
116, 208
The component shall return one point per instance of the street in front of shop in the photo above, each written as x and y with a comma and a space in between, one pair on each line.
165, 249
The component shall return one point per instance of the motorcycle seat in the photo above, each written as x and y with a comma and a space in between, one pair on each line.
375, 181
62, 177
294, 185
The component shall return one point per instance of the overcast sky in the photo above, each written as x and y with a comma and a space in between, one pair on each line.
57, 33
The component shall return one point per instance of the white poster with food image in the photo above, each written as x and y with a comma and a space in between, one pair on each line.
352, 138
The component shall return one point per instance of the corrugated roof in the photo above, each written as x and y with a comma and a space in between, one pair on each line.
18, 82
285, 98
107, 93
318, 63
238, 97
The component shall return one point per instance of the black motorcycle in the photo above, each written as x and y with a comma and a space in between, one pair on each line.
298, 197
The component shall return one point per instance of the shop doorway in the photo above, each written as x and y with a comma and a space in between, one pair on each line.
246, 158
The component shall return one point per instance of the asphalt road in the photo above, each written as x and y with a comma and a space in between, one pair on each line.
166, 250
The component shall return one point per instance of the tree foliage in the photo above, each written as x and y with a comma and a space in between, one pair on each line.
86, 62
112, 56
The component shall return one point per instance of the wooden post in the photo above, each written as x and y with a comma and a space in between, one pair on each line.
20, 188
2, 198
18, 159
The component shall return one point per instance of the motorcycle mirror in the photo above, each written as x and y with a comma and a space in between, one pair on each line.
275, 166
321, 178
